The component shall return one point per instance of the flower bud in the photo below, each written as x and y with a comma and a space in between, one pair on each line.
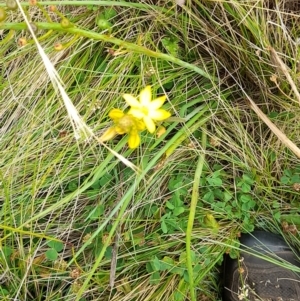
2, 14
52, 8
22, 41
65, 23
160, 131
58, 46
11, 4
104, 24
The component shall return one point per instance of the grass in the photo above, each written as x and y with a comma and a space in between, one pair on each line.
79, 223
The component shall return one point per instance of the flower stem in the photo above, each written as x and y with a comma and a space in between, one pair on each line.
109, 39
195, 196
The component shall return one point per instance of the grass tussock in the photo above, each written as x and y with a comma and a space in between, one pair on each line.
79, 224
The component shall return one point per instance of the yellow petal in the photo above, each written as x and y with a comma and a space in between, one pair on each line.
131, 100
119, 130
145, 96
160, 114
116, 114
150, 125
109, 134
136, 113
158, 102
134, 140
160, 131
140, 125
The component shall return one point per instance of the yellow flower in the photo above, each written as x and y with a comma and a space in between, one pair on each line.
147, 109
124, 124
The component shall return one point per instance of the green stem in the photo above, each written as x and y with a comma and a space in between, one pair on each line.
195, 196
120, 210
109, 39
97, 3
8, 37
44, 12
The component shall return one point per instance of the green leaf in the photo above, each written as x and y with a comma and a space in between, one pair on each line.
96, 212
164, 227
217, 167
170, 205
248, 226
186, 277
234, 203
92, 194
51, 254
104, 24
227, 196
245, 198
277, 216
228, 209
96, 185
209, 197
168, 86
288, 173
178, 210
177, 270
172, 224
183, 257
193, 256
109, 13
233, 254
252, 204
105, 179
214, 182
202, 181
273, 115
176, 200
218, 193
285, 180
149, 267
56, 245
155, 278
248, 205
73, 185
218, 206
156, 265
179, 296
6, 252
175, 183
3, 292
272, 156
246, 188
168, 260
217, 173
247, 179
171, 45
108, 252
207, 261
167, 263
197, 268
245, 207
91, 7
295, 178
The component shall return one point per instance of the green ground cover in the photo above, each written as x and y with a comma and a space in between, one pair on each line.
86, 220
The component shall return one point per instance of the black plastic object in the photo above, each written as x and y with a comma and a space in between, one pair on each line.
251, 278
